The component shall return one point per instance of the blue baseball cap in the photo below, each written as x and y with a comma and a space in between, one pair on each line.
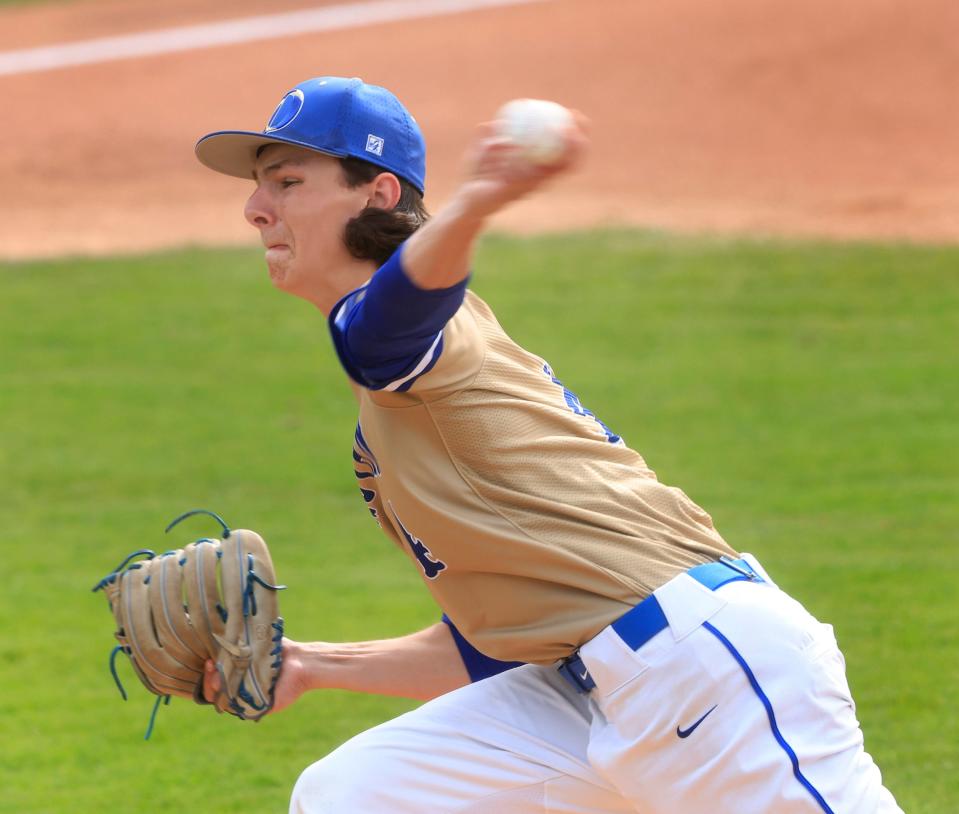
332, 115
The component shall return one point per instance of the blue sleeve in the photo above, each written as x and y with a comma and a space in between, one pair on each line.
477, 665
390, 332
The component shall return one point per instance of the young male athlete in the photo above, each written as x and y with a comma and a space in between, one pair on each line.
602, 648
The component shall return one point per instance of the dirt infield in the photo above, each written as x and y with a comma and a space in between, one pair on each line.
757, 116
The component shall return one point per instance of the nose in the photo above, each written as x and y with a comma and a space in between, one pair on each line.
258, 211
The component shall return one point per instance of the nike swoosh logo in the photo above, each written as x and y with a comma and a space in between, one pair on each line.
685, 733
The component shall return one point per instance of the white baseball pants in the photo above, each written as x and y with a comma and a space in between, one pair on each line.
740, 706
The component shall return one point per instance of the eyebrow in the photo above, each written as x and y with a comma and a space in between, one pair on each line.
276, 165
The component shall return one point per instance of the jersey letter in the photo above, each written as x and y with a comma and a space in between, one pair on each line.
574, 404
430, 565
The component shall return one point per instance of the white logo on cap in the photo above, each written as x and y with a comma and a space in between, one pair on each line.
287, 110
374, 144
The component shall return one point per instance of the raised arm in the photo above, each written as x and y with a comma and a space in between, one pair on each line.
440, 253
389, 333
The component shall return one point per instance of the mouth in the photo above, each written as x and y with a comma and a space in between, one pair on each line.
274, 251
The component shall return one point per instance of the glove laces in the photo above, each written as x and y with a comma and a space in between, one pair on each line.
249, 607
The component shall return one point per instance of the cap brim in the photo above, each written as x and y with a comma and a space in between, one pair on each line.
233, 152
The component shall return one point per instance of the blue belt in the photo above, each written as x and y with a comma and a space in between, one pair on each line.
639, 625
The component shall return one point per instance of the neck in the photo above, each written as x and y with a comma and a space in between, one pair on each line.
326, 292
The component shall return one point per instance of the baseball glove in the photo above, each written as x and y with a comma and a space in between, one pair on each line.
213, 599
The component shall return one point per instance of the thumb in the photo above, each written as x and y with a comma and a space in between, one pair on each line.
211, 681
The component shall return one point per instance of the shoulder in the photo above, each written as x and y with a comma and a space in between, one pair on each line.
454, 360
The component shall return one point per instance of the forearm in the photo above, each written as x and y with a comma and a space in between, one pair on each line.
421, 665
439, 254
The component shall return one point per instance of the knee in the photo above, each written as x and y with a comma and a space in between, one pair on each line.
343, 782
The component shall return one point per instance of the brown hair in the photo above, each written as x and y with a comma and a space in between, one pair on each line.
376, 233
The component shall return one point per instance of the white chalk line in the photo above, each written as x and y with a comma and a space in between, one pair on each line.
233, 32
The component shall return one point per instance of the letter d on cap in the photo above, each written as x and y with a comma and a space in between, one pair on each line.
287, 110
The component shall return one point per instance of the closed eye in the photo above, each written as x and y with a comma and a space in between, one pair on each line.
288, 182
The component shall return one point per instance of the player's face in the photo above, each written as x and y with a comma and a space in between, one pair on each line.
301, 206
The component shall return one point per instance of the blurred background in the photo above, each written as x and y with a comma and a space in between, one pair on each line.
758, 116
755, 273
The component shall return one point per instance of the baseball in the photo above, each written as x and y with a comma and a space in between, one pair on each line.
536, 126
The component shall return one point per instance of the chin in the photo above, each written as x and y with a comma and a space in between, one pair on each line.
279, 275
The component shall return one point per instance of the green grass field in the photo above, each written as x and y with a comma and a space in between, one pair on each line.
806, 395
19, 3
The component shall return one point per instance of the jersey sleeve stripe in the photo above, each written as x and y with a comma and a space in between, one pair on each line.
420, 368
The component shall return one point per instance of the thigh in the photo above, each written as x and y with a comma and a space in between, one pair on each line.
748, 712
515, 742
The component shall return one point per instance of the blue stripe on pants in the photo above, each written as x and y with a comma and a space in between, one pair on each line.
772, 718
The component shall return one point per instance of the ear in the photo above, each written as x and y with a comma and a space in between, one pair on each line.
384, 191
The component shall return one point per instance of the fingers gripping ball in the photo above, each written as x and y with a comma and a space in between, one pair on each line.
537, 127
213, 599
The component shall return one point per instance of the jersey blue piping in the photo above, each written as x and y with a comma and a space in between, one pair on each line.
772, 718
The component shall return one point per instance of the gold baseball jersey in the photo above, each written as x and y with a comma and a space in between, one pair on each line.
533, 525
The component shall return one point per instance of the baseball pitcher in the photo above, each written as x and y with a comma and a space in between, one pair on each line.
602, 648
